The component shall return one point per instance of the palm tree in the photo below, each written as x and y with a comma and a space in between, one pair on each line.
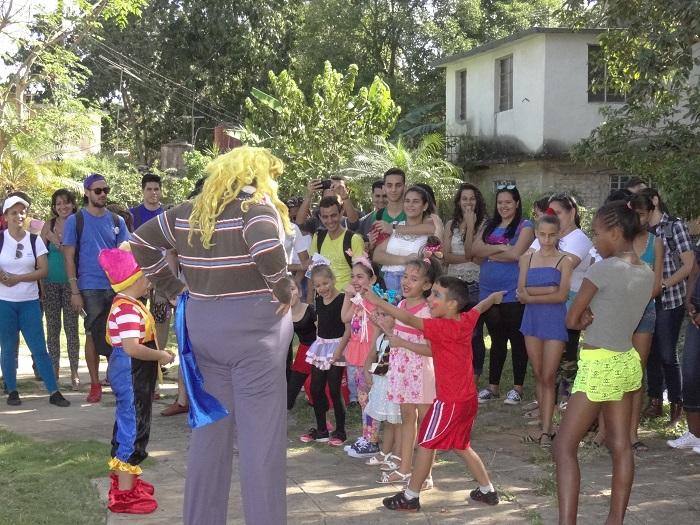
425, 163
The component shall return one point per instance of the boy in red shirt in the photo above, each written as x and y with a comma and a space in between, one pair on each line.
448, 423
132, 373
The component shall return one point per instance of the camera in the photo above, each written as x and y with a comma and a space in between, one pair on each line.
325, 184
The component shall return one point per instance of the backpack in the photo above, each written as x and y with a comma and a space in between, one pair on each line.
347, 243
32, 241
80, 225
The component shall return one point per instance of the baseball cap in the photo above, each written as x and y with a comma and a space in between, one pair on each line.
92, 179
11, 201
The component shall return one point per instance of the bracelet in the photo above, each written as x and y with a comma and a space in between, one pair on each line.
75, 293
71, 279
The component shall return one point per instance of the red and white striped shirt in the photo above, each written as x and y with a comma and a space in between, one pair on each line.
125, 322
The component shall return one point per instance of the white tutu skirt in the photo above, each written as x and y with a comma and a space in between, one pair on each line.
378, 407
320, 353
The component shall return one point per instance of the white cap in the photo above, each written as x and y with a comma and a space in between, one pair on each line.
11, 201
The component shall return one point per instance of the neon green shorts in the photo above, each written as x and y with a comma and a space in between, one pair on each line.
606, 375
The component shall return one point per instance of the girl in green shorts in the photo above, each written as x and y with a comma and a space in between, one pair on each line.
608, 306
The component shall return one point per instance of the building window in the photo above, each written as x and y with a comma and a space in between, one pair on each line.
461, 98
598, 90
505, 83
618, 182
503, 184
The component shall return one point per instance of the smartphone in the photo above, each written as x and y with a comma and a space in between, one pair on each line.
82, 313
325, 184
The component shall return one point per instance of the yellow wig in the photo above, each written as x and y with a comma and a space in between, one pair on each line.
228, 174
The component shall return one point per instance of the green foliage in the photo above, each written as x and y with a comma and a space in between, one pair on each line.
425, 163
315, 136
656, 134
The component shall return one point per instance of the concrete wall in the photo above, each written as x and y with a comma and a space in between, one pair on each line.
536, 177
523, 124
568, 116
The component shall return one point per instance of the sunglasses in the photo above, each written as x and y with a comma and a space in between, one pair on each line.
505, 187
20, 248
100, 191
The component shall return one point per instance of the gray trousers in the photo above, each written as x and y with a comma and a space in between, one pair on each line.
240, 346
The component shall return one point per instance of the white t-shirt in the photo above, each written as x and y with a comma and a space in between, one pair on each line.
403, 245
19, 266
576, 243
302, 243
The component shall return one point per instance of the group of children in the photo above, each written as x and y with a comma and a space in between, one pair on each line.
412, 362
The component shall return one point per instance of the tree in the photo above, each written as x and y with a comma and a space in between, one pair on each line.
180, 60
424, 163
647, 55
315, 136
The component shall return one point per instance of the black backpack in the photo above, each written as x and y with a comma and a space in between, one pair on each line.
347, 243
32, 241
80, 224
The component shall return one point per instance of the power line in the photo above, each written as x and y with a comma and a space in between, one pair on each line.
192, 93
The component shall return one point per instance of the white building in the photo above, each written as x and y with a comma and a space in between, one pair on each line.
529, 97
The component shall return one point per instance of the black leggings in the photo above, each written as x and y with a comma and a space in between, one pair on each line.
503, 322
295, 381
319, 379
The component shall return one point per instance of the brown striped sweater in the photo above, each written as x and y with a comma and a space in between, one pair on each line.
246, 257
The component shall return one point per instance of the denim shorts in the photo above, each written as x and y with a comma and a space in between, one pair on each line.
648, 322
97, 305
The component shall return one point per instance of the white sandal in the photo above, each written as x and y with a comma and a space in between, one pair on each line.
391, 463
427, 484
387, 478
374, 460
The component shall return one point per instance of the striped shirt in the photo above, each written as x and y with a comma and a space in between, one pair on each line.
125, 322
246, 257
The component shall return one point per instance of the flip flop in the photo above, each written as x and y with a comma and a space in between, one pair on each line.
639, 446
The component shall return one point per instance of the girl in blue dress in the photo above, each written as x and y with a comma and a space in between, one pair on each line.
543, 287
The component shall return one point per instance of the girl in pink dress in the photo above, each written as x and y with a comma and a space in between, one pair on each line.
411, 376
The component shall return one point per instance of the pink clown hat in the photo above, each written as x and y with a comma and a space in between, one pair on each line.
120, 266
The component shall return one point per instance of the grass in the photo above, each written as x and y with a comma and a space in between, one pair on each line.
49, 483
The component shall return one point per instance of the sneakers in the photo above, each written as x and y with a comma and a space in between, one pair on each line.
314, 435
95, 395
696, 450
486, 395
134, 501
363, 449
490, 498
400, 502
57, 399
513, 397
13, 399
337, 439
687, 440
359, 440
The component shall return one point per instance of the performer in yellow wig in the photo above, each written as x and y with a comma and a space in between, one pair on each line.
238, 329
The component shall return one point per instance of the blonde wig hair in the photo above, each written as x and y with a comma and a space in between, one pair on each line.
227, 175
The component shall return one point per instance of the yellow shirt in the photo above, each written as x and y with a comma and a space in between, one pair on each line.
332, 249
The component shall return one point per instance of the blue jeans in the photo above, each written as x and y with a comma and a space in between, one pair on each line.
97, 304
663, 363
25, 317
691, 369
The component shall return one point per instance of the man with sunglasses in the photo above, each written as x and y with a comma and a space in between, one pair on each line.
83, 239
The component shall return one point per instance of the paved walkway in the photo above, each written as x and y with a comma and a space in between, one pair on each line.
325, 486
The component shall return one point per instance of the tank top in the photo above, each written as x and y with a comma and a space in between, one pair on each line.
648, 255
57, 266
403, 245
330, 325
468, 271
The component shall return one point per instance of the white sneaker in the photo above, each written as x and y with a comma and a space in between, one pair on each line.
687, 440
696, 450
513, 397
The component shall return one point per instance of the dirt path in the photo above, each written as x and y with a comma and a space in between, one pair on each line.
325, 486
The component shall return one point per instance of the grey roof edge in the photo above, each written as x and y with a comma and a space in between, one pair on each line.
512, 38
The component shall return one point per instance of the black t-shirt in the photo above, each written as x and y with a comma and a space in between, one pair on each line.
695, 298
330, 325
305, 328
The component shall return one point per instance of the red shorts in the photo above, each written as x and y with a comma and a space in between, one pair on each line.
448, 425
300, 364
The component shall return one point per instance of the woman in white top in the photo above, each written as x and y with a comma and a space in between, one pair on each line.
399, 248
468, 216
23, 262
576, 244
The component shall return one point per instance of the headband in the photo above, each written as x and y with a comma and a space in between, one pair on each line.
550, 211
362, 259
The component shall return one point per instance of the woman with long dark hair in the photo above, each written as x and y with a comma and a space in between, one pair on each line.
56, 288
501, 242
468, 216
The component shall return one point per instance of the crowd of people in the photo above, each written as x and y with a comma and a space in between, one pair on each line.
391, 309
